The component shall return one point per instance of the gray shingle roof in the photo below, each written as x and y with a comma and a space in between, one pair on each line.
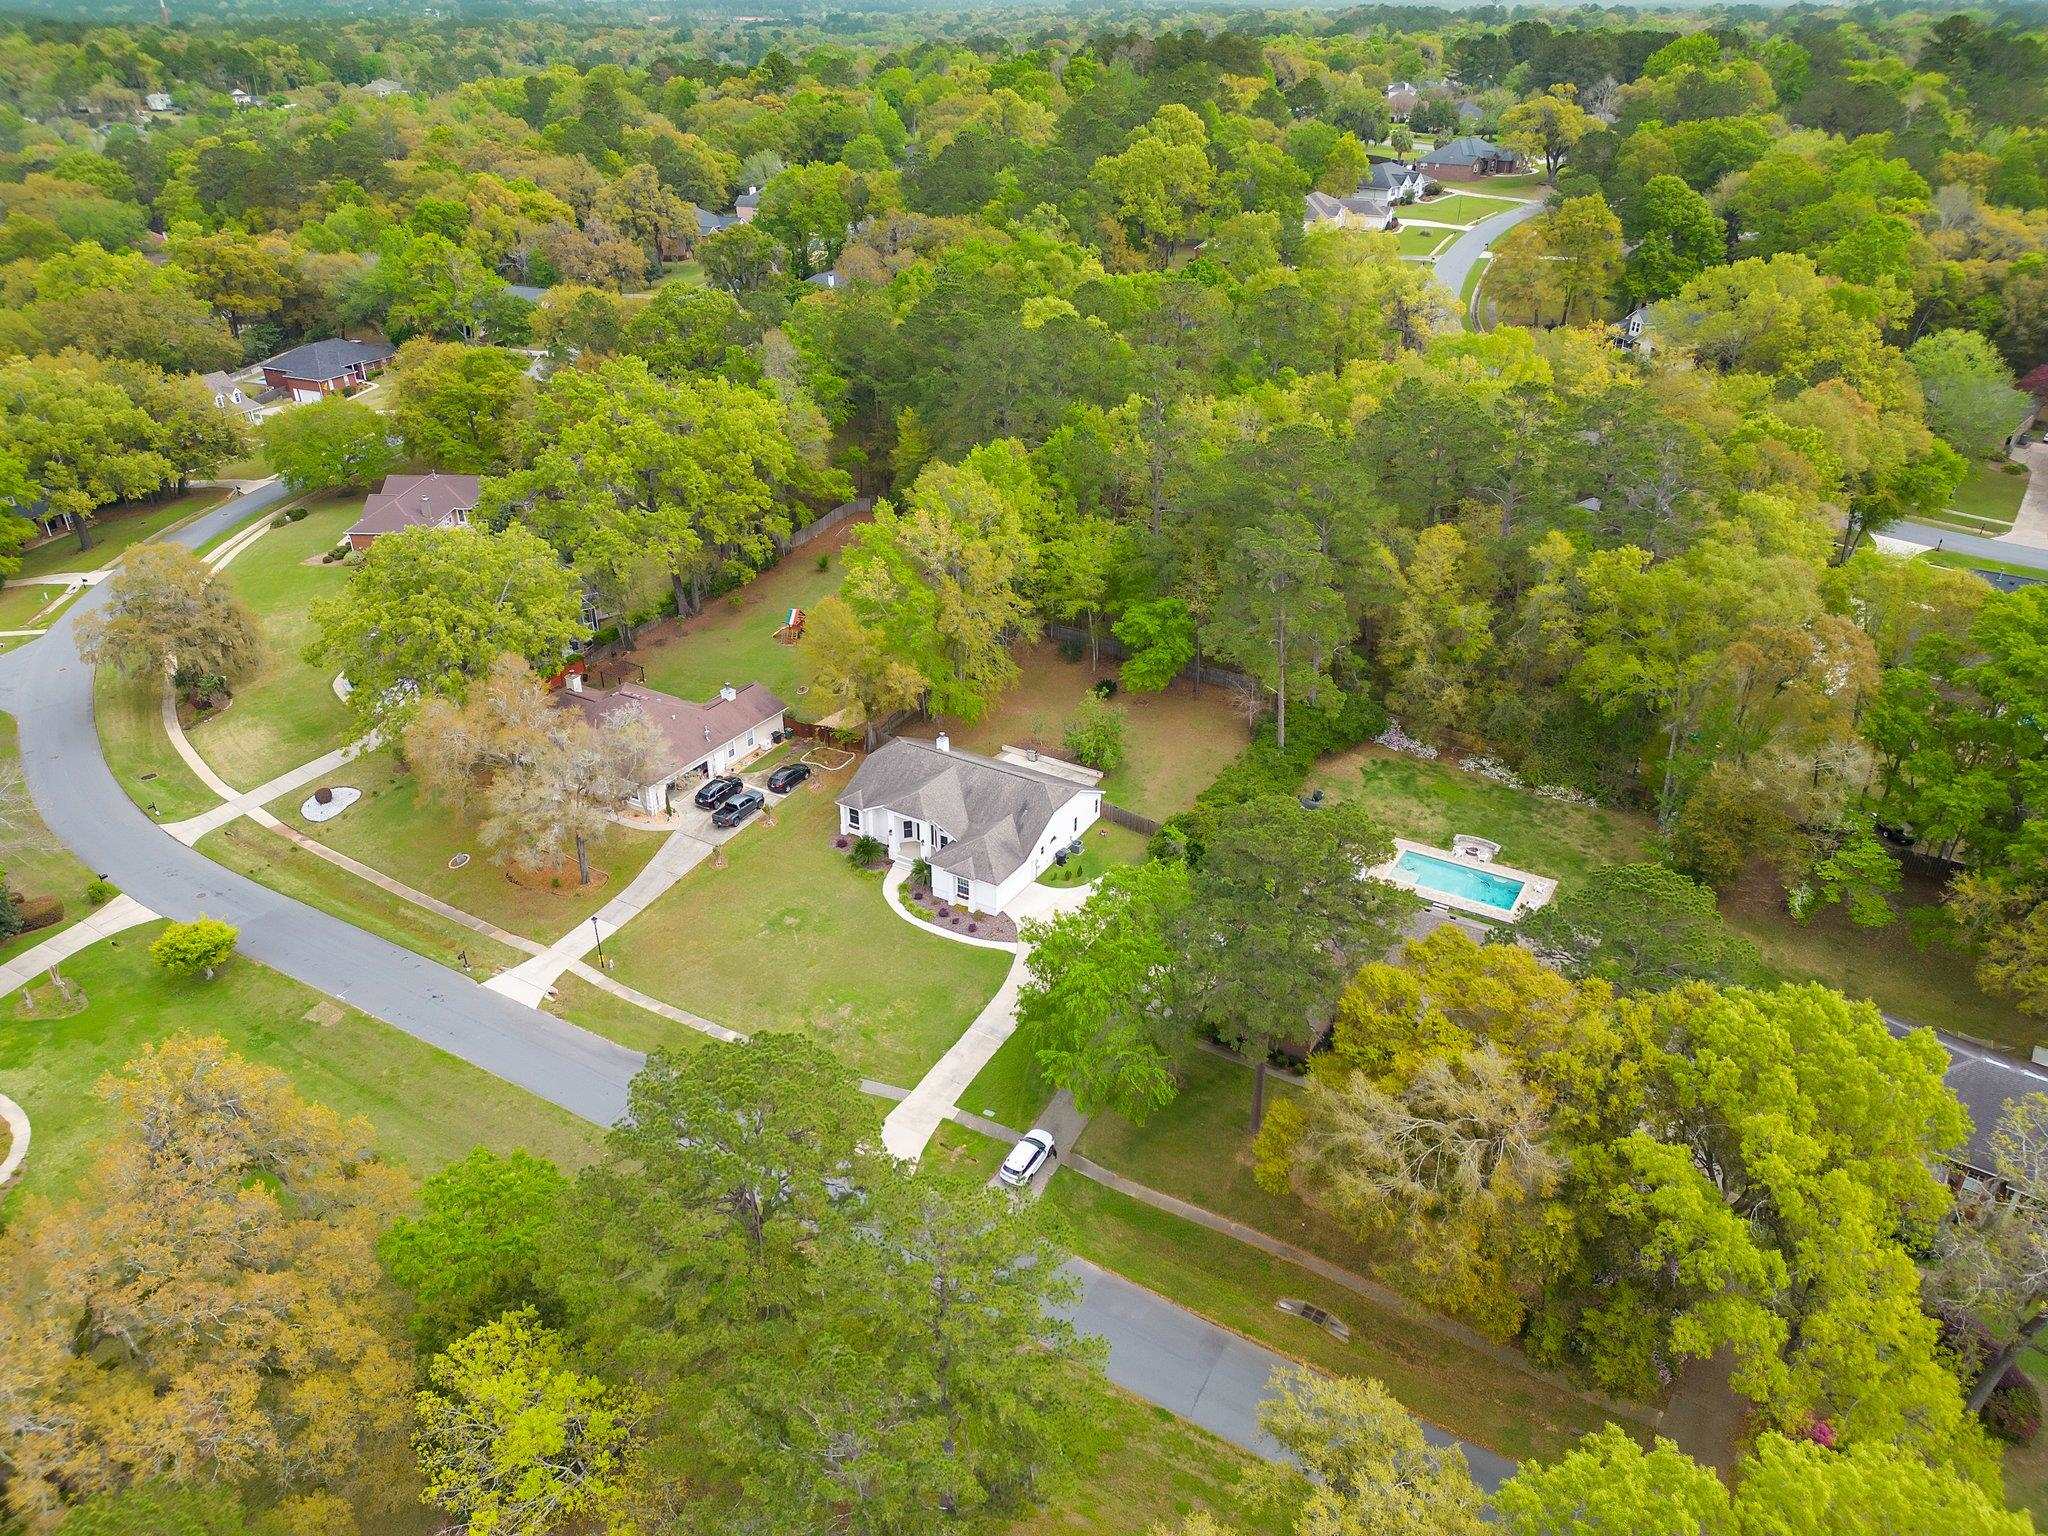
993, 813
709, 223
329, 359
1468, 150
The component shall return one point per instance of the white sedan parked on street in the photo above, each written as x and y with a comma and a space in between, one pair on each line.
1031, 1153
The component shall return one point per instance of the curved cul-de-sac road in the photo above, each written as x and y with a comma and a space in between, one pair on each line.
1157, 1350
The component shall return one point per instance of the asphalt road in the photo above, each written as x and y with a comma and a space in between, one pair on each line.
1455, 263
1969, 544
1157, 1350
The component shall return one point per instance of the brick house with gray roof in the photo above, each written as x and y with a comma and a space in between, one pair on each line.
334, 366
988, 828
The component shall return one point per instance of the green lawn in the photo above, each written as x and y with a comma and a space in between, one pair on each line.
1531, 181
1989, 494
1956, 562
1008, 1090
1460, 208
1141, 1468
733, 639
1461, 1390
1428, 802
129, 713
117, 529
1175, 742
1105, 846
788, 935
286, 713
36, 863
21, 607
292, 871
428, 1107
1413, 241
398, 831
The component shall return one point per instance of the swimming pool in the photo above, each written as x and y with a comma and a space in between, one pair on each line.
1443, 878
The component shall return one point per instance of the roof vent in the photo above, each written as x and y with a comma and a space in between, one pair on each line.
728, 693
944, 743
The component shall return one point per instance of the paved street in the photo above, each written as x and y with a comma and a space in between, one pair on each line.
1159, 1351
2010, 552
1455, 263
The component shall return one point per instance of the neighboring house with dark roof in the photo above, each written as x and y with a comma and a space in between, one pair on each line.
334, 366
746, 205
700, 740
414, 501
826, 280
1469, 158
1401, 99
709, 223
987, 828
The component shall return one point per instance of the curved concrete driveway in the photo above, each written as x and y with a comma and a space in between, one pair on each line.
1455, 262
1157, 1350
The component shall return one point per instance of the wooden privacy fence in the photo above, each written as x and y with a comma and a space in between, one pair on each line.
1116, 815
831, 520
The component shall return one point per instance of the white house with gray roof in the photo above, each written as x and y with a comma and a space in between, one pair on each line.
987, 828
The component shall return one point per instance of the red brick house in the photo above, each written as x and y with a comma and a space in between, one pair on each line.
335, 366
414, 501
1469, 159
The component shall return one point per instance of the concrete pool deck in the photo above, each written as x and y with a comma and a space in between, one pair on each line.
1536, 890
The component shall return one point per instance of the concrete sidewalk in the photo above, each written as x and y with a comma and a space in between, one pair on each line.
529, 981
250, 803
120, 913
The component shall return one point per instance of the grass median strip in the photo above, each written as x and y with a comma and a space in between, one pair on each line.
129, 713
292, 871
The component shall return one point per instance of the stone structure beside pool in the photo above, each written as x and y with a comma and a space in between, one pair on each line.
1424, 870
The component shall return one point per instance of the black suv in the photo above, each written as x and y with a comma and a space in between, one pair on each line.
788, 776
737, 809
717, 792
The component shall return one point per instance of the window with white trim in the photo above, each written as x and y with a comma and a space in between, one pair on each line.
852, 818
962, 889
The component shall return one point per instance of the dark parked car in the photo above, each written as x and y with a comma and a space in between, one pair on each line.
788, 776
738, 809
717, 792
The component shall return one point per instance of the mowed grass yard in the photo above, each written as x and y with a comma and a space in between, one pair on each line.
400, 831
129, 714
1176, 741
789, 936
117, 530
1419, 241
1460, 208
428, 1108
36, 864
733, 639
22, 607
286, 712
1429, 802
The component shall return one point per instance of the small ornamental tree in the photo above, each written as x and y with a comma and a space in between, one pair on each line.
1095, 735
194, 949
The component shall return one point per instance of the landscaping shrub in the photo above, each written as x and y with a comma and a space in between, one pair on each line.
921, 876
36, 912
10, 914
297, 514
1095, 735
99, 892
2013, 1413
825, 561
1072, 650
1105, 688
867, 852
197, 948
278, 522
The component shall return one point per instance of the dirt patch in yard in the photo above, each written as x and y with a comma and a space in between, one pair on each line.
556, 877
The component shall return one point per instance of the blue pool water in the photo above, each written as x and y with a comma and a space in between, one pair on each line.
1448, 879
